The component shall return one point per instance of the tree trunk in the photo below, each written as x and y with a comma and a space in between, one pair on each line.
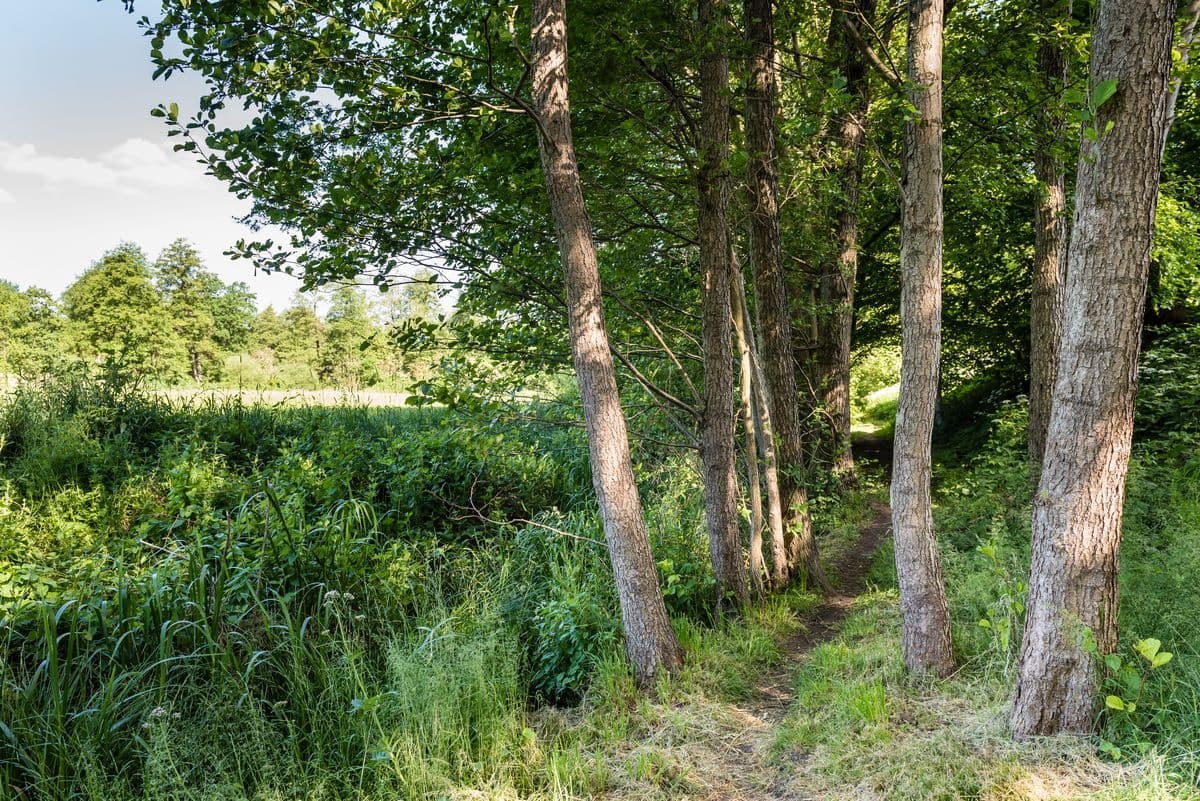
1077, 509
770, 290
197, 374
716, 425
923, 607
1050, 243
649, 639
1186, 37
836, 284
753, 474
764, 434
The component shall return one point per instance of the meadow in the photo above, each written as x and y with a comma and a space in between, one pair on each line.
220, 600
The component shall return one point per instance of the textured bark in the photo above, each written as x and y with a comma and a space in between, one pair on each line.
770, 289
1077, 509
764, 434
716, 264
923, 607
835, 321
1050, 242
757, 567
1187, 36
649, 639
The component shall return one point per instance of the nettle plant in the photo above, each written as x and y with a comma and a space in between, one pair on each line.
1125, 685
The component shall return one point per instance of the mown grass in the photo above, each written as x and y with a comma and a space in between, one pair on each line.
861, 728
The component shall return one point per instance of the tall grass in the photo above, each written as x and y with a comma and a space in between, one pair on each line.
226, 601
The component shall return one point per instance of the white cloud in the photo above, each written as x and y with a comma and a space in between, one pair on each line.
6, 196
132, 166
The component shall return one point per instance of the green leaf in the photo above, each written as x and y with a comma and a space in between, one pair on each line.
1112, 662
1161, 658
173, 111
1103, 92
1114, 702
1148, 648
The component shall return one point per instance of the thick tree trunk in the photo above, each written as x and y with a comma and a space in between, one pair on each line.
764, 434
649, 639
836, 286
716, 264
1077, 508
923, 607
1050, 243
770, 290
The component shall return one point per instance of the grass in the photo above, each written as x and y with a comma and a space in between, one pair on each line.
230, 602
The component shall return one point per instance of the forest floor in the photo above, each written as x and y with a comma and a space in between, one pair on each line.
732, 750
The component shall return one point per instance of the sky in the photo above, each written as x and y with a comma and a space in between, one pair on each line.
83, 165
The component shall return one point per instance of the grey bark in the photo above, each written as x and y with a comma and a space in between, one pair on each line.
750, 431
764, 434
1077, 508
1186, 37
716, 264
771, 293
1050, 242
925, 613
649, 639
838, 273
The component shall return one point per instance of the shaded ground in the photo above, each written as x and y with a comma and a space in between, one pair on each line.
728, 752
753, 774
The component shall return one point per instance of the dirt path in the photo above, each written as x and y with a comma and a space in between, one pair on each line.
775, 688
746, 769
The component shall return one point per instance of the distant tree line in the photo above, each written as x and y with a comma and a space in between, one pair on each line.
173, 321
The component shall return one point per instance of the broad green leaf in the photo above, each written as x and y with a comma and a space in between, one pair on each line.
1103, 92
1147, 648
1114, 702
1161, 658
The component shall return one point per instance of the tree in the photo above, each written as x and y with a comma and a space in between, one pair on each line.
348, 359
923, 606
1050, 245
1072, 605
181, 278
117, 316
716, 265
835, 295
33, 337
649, 639
770, 289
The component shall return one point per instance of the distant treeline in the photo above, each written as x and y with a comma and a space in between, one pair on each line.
171, 321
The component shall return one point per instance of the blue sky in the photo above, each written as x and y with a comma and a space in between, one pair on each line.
83, 166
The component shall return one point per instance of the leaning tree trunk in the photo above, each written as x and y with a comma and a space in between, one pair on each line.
716, 264
764, 435
770, 290
1077, 509
1050, 243
836, 284
649, 639
1187, 37
757, 569
923, 607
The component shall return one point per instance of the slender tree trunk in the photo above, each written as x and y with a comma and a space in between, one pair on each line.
926, 615
1050, 243
649, 639
197, 374
770, 289
716, 428
1186, 37
836, 286
753, 474
1077, 509
764, 435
